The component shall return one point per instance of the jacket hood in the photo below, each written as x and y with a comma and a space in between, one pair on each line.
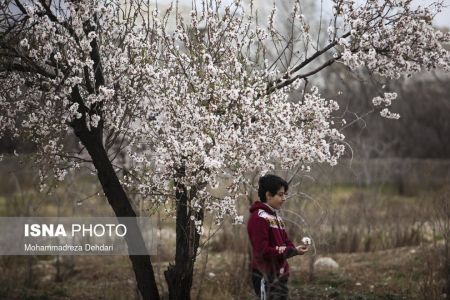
261, 205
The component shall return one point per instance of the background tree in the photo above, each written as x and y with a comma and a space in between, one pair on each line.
164, 112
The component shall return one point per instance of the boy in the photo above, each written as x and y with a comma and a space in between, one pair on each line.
271, 246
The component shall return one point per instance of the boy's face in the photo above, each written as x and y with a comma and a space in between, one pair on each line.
277, 200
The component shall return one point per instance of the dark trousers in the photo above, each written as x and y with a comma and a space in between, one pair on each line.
275, 288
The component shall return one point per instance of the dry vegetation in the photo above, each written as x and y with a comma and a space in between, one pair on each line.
388, 245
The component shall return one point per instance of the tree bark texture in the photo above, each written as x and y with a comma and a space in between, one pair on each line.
179, 277
118, 199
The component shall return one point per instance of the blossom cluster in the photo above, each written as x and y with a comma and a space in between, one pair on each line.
210, 116
392, 39
386, 101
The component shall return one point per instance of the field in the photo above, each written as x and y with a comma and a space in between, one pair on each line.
388, 243
401, 273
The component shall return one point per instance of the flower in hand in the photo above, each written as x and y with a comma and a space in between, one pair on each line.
306, 241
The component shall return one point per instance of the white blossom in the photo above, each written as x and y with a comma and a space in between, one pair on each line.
24, 43
386, 100
385, 113
306, 240
94, 120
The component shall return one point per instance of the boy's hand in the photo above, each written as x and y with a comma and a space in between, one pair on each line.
302, 249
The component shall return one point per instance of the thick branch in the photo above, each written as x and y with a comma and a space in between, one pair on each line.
302, 76
27, 69
281, 82
21, 7
119, 202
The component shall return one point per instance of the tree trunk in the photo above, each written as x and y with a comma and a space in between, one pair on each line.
179, 277
121, 205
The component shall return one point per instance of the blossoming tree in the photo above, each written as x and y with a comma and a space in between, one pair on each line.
163, 112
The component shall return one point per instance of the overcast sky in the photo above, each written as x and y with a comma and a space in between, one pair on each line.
442, 20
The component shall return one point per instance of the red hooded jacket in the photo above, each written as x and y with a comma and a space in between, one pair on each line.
266, 231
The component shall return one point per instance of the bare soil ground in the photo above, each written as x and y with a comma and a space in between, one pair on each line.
391, 274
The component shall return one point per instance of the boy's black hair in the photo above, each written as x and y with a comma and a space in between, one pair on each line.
270, 183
